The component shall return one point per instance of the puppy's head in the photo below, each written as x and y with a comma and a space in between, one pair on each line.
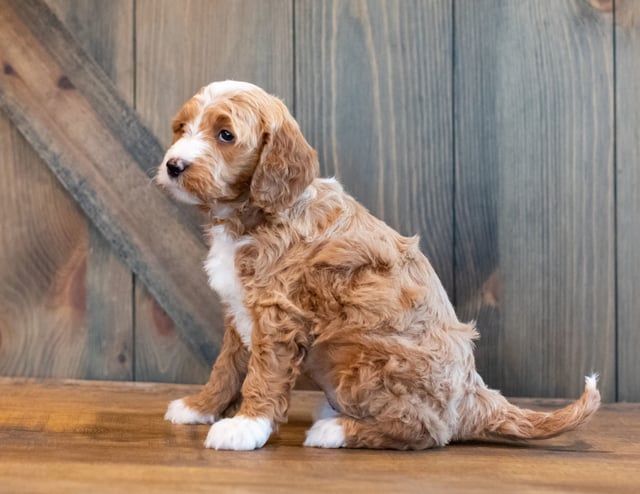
232, 142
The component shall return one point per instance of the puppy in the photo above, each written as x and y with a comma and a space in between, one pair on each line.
311, 281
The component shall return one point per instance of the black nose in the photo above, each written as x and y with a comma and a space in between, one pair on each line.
176, 166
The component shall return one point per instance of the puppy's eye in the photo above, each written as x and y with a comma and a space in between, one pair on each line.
226, 136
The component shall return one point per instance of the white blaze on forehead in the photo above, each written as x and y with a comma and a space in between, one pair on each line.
212, 92
222, 88
217, 92
188, 148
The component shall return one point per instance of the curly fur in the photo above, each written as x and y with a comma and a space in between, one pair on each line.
329, 289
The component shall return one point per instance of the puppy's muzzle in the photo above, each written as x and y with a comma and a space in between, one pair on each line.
176, 166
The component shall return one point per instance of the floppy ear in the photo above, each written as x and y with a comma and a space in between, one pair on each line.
288, 164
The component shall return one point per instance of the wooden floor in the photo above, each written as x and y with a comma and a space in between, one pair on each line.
110, 437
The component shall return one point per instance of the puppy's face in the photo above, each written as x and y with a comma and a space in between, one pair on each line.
216, 145
234, 142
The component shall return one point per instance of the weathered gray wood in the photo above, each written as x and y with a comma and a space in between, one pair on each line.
628, 194
45, 96
105, 31
182, 46
534, 210
161, 354
550, 222
110, 337
248, 40
42, 295
86, 76
373, 95
478, 282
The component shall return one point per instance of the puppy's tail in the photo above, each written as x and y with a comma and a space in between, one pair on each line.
498, 418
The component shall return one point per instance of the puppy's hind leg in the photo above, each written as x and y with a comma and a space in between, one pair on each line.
327, 433
346, 432
222, 390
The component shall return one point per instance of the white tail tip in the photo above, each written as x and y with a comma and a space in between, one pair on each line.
591, 382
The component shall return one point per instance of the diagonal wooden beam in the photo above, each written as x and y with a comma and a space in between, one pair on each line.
96, 145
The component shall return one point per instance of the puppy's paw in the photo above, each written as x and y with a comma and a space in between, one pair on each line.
179, 413
326, 433
239, 433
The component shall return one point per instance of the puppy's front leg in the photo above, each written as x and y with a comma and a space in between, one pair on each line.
278, 348
222, 389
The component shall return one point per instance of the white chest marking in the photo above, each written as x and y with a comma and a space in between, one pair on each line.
220, 267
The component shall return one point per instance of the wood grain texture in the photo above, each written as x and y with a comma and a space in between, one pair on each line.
107, 437
627, 32
512, 193
44, 90
373, 95
105, 31
182, 46
478, 281
42, 293
550, 222
161, 354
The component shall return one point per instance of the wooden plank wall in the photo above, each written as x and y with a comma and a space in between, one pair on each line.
505, 133
99, 148
536, 138
627, 42
104, 30
380, 75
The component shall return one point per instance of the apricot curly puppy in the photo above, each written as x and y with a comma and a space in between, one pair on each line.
311, 281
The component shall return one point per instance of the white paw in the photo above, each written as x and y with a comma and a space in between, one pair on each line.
326, 433
179, 413
239, 433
